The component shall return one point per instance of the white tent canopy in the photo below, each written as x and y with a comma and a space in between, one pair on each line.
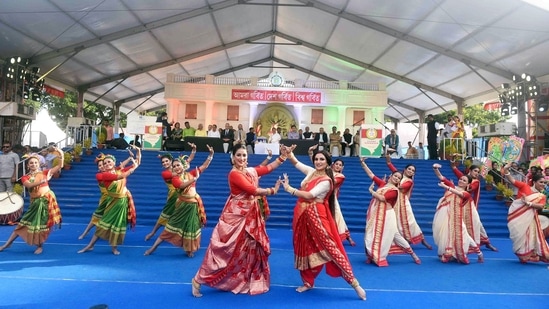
430, 53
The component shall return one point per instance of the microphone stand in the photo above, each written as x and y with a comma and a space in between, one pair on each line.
386, 128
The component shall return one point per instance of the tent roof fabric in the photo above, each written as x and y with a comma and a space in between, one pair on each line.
430, 54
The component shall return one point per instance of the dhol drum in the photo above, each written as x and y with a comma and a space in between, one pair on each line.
11, 207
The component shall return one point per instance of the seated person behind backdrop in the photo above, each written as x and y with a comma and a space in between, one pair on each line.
391, 143
322, 138
120, 142
412, 152
136, 142
293, 134
335, 140
177, 132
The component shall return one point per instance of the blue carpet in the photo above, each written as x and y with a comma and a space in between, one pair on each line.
61, 278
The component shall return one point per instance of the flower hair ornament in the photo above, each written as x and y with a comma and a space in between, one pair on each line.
99, 158
184, 162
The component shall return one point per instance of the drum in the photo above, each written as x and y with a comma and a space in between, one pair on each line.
11, 207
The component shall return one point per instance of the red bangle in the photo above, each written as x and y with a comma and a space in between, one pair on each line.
281, 160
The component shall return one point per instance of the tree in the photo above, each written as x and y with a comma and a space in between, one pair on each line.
474, 116
61, 109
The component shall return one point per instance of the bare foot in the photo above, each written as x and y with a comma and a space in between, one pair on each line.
426, 244
416, 259
360, 292
4, 247
149, 251
86, 249
304, 288
82, 236
480, 258
196, 288
38, 250
491, 247
190, 254
351, 241
115, 251
149, 236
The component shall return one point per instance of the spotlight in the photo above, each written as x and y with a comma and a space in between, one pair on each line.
543, 104
514, 109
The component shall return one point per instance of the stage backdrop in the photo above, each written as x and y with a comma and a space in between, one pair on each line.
147, 128
371, 140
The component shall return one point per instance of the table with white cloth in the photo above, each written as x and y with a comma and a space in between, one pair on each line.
261, 148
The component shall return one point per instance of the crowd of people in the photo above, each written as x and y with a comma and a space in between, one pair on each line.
346, 142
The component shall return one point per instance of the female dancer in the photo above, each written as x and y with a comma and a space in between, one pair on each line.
474, 189
237, 257
406, 221
43, 213
98, 213
316, 238
118, 211
529, 243
184, 225
166, 159
339, 178
449, 230
382, 237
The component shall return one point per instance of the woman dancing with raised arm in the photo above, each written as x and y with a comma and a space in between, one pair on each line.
43, 212
525, 230
98, 213
167, 174
119, 210
450, 233
406, 221
316, 238
382, 237
184, 226
237, 257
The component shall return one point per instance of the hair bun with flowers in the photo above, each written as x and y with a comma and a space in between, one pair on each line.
99, 158
183, 160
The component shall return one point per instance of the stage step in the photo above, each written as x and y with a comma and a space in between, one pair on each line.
78, 193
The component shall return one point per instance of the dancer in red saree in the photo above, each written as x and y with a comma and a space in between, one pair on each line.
237, 257
316, 238
525, 230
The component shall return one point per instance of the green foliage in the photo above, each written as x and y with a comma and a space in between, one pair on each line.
77, 150
18, 188
62, 108
489, 179
474, 116
87, 143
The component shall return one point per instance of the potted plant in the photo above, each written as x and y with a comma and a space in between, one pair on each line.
101, 138
508, 195
489, 179
77, 152
56, 162
67, 160
87, 145
18, 188
500, 186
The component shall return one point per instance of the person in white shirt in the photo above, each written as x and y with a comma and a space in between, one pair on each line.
275, 136
421, 151
214, 132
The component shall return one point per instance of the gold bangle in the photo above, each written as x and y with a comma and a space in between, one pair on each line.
293, 192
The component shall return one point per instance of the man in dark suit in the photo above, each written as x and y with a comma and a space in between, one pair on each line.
251, 139
322, 138
166, 128
227, 136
